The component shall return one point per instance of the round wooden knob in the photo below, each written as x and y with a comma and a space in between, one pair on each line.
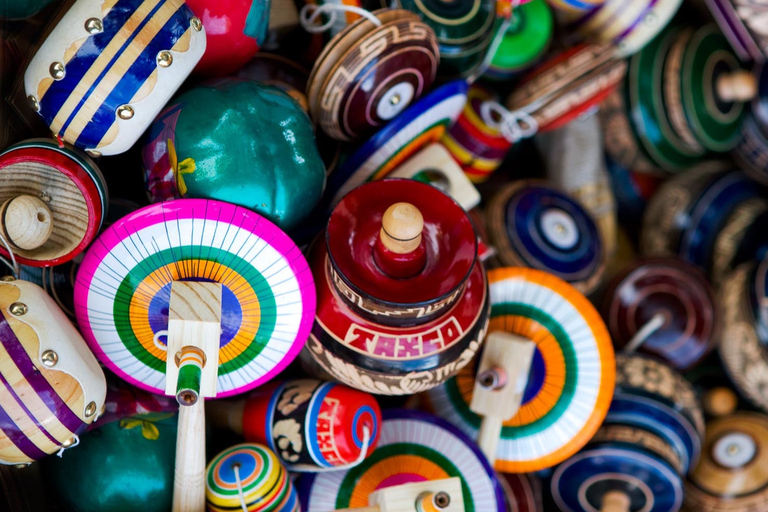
720, 402
26, 222
401, 228
739, 86
615, 501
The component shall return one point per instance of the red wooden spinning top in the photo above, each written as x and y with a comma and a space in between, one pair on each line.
402, 299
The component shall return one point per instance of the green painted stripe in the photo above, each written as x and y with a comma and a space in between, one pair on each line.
189, 378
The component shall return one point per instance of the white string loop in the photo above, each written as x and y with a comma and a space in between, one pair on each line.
240, 492
306, 468
310, 13
13, 265
74, 443
512, 125
646, 331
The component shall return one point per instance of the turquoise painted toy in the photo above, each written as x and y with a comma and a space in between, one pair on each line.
237, 141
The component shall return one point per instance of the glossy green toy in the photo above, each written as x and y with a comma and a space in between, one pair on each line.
126, 465
20, 9
237, 141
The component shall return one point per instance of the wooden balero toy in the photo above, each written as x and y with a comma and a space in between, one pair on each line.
53, 201
544, 381
422, 463
194, 299
51, 386
402, 297
108, 68
311, 425
637, 460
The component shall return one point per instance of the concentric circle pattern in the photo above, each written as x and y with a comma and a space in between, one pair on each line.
570, 383
413, 447
123, 291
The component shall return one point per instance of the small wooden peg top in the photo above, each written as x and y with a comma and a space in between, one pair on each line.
739, 86
26, 222
401, 228
720, 401
615, 501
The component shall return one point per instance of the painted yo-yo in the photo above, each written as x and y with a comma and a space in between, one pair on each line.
547, 335
194, 299
476, 145
532, 224
402, 297
561, 89
236, 30
108, 68
249, 477
122, 466
53, 202
731, 473
417, 453
369, 74
745, 325
742, 23
435, 165
421, 124
524, 42
628, 25
631, 190
663, 307
232, 132
708, 217
464, 31
51, 386
309, 424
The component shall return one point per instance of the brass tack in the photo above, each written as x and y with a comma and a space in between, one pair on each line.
125, 112
49, 358
57, 71
18, 308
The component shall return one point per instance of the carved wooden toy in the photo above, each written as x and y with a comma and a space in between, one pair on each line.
51, 386
435, 165
402, 298
194, 299
532, 311
140, 450
477, 146
568, 85
52, 199
743, 23
237, 28
370, 73
663, 307
742, 299
311, 425
418, 452
524, 42
626, 24
232, 131
108, 68
522, 493
532, 224
464, 31
421, 124
731, 473
709, 217
249, 477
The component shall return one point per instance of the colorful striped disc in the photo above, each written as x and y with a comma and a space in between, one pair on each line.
570, 383
421, 124
524, 42
455, 23
123, 291
248, 474
413, 447
534, 225
575, 6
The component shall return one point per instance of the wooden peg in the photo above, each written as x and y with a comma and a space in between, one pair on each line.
401, 228
499, 385
26, 222
615, 501
192, 363
739, 86
720, 401
432, 496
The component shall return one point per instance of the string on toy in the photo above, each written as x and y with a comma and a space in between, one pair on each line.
309, 14
513, 126
645, 332
13, 265
240, 492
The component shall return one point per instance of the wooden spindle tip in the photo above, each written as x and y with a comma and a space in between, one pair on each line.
401, 228
720, 401
26, 222
187, 397
739, 86
615, 501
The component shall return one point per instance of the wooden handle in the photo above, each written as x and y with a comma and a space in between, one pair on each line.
401, 228
489, 435
739, 86
720, 402
26, 222
615, 501
189, 474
